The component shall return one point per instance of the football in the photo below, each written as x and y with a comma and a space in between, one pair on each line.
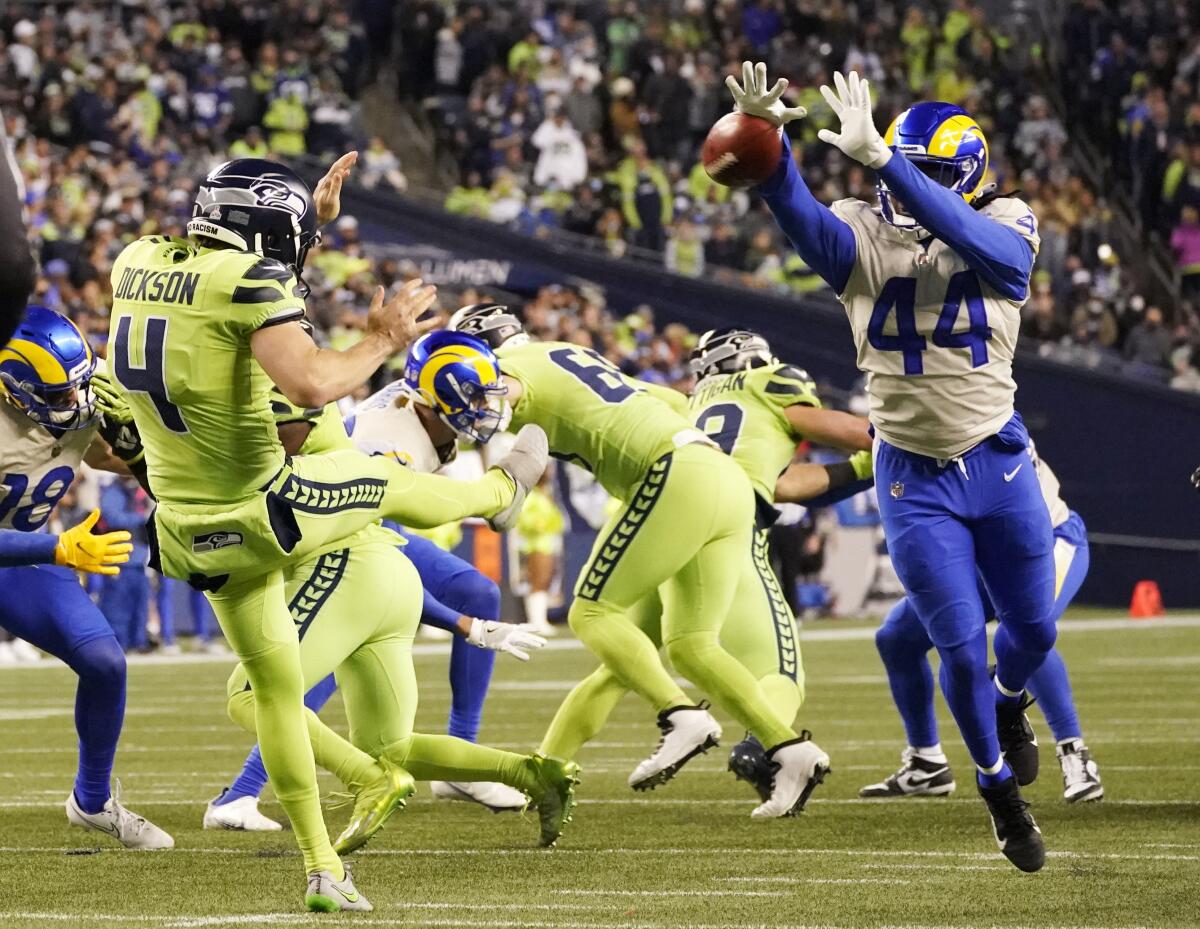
741, 150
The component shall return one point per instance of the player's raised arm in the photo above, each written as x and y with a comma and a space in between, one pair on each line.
998, 253
311, 376
16, 261
824, 241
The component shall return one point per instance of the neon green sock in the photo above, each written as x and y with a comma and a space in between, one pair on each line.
582, 714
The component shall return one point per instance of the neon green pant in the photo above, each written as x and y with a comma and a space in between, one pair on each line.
242, 554
684, 534
356, 610
760, 632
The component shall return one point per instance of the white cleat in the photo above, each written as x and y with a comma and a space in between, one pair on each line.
687, 731
124, 825
1081, 775
800, 765
325, 895
525, 463
241, 814
499, 798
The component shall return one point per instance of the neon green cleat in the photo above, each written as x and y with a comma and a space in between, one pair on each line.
554, 795
374, 803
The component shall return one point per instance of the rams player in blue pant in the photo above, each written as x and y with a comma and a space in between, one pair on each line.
404, 422
933, 280
904, 647
50, 421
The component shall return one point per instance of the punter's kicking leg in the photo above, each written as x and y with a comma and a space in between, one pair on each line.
357, 610
237, 555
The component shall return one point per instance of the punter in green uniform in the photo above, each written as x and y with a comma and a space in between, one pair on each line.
200, 329
757, 410
683, 529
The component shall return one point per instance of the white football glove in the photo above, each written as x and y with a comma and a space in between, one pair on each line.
752, 97
504, 637
851, 104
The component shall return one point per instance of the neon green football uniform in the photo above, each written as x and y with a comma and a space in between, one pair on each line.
687, 519
743, 413
232, 513
356, 610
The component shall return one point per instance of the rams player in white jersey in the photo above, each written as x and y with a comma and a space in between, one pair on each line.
904, 647
50, 422
933, 280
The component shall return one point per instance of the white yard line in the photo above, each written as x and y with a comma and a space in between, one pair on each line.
1115, 623
993, 856
358, 919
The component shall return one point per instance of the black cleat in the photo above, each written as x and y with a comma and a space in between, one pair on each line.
916, 777
1017, 740
1016, 833
748, 761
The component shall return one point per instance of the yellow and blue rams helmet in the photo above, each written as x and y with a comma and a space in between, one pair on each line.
46, 371
945, 144
458, 377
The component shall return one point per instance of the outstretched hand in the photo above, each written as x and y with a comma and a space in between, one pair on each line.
328, 193
851, 104
398, 320
752, 97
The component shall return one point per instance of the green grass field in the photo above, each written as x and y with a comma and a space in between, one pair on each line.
686, 855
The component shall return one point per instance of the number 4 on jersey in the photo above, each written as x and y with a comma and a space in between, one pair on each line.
149, 379
901, 293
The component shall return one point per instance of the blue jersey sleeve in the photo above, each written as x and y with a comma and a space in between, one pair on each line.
825, 242
995, 252
26, 548
435, 613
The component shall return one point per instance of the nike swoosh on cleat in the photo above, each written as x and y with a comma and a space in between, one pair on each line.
351, 896
1009, 475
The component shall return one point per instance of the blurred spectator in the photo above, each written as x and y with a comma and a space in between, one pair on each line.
1185, 243
1149, 342
562, 159
379, 165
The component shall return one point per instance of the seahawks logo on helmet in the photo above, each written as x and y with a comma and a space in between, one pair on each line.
492, 323
271, 192
726, 351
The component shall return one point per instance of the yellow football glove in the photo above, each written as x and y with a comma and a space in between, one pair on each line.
78, 548
863, 465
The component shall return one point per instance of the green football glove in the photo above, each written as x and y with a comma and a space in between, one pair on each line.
863, 464
109, 399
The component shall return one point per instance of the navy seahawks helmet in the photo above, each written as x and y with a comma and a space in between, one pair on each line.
257, 206
492, 323
725, 351
46, 371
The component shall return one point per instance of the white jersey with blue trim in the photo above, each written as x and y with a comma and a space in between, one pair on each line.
386, 424
36, 467
1051, 492
934, 339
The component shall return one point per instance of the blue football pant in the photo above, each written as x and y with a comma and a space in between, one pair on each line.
47, 607
456, 584
125, 602
950, 523
904, 648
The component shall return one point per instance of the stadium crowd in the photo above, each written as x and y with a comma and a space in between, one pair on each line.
589, 118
